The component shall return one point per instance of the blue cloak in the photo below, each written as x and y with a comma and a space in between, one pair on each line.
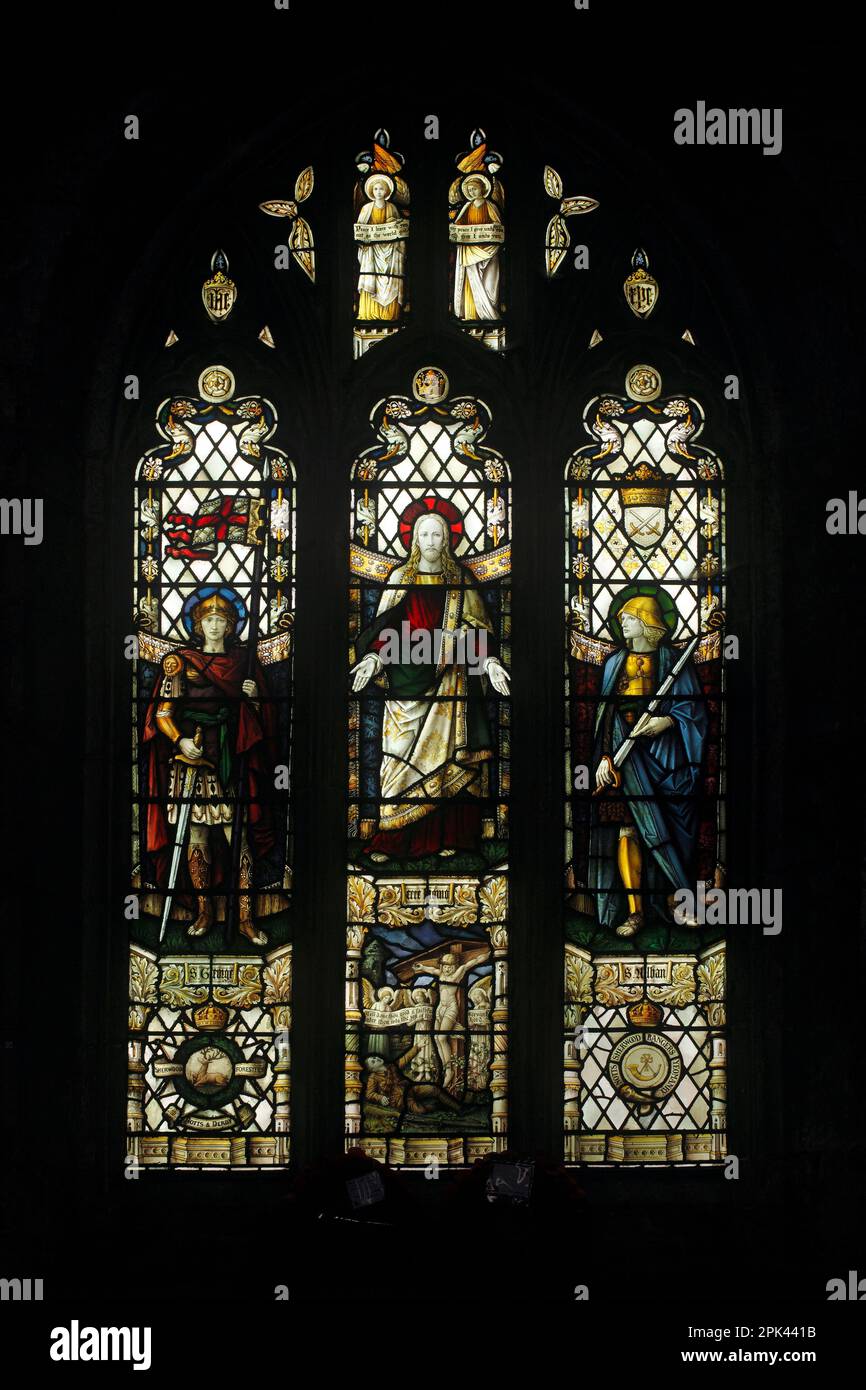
666, 769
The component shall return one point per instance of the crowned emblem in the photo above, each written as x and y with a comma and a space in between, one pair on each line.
641, 290
645, 492
644, 486
210, 1017
644, 1014
219, 292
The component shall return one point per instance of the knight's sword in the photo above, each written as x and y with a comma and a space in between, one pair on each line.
627, 744
191, 765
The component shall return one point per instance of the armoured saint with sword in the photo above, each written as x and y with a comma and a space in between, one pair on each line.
210, 770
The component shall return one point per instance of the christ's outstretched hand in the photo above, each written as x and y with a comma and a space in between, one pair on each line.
499, 677
364, 671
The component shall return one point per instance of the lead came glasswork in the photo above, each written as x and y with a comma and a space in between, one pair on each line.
644, 585
429, 759
300, 240
381, 233
476, 231
557, 239
210, 950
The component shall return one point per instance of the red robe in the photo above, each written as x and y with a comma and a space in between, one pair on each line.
251, 732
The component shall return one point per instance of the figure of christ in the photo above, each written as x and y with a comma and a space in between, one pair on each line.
436, 739
381, 263
476, 270
450, 970
644, 840
204, 687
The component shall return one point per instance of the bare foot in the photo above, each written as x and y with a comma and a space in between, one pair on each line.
632, 924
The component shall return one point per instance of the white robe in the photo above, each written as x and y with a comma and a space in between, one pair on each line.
425, 756
479, 265
381, 263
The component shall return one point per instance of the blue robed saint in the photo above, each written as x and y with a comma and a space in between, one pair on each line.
658, 792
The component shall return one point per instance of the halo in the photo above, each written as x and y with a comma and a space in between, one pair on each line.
449, 513
206, 591
644, 589
378, 178
482, 179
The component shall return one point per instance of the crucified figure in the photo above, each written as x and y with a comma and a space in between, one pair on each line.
448, 1022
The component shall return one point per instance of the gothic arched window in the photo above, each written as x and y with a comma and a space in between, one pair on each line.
409, 834
429, 782
210, 963
645, 827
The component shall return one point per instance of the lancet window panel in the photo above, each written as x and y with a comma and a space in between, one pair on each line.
210, 935
429, 782
381, 233
644, 562
476, 232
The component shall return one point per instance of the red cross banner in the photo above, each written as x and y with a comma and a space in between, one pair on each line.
197, 537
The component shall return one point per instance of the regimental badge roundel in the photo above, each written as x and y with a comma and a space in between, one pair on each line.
208, 1072
644, 1067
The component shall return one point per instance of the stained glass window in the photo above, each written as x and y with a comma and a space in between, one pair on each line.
210, 944
644, 590
381, 234
476, 230
429, 758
